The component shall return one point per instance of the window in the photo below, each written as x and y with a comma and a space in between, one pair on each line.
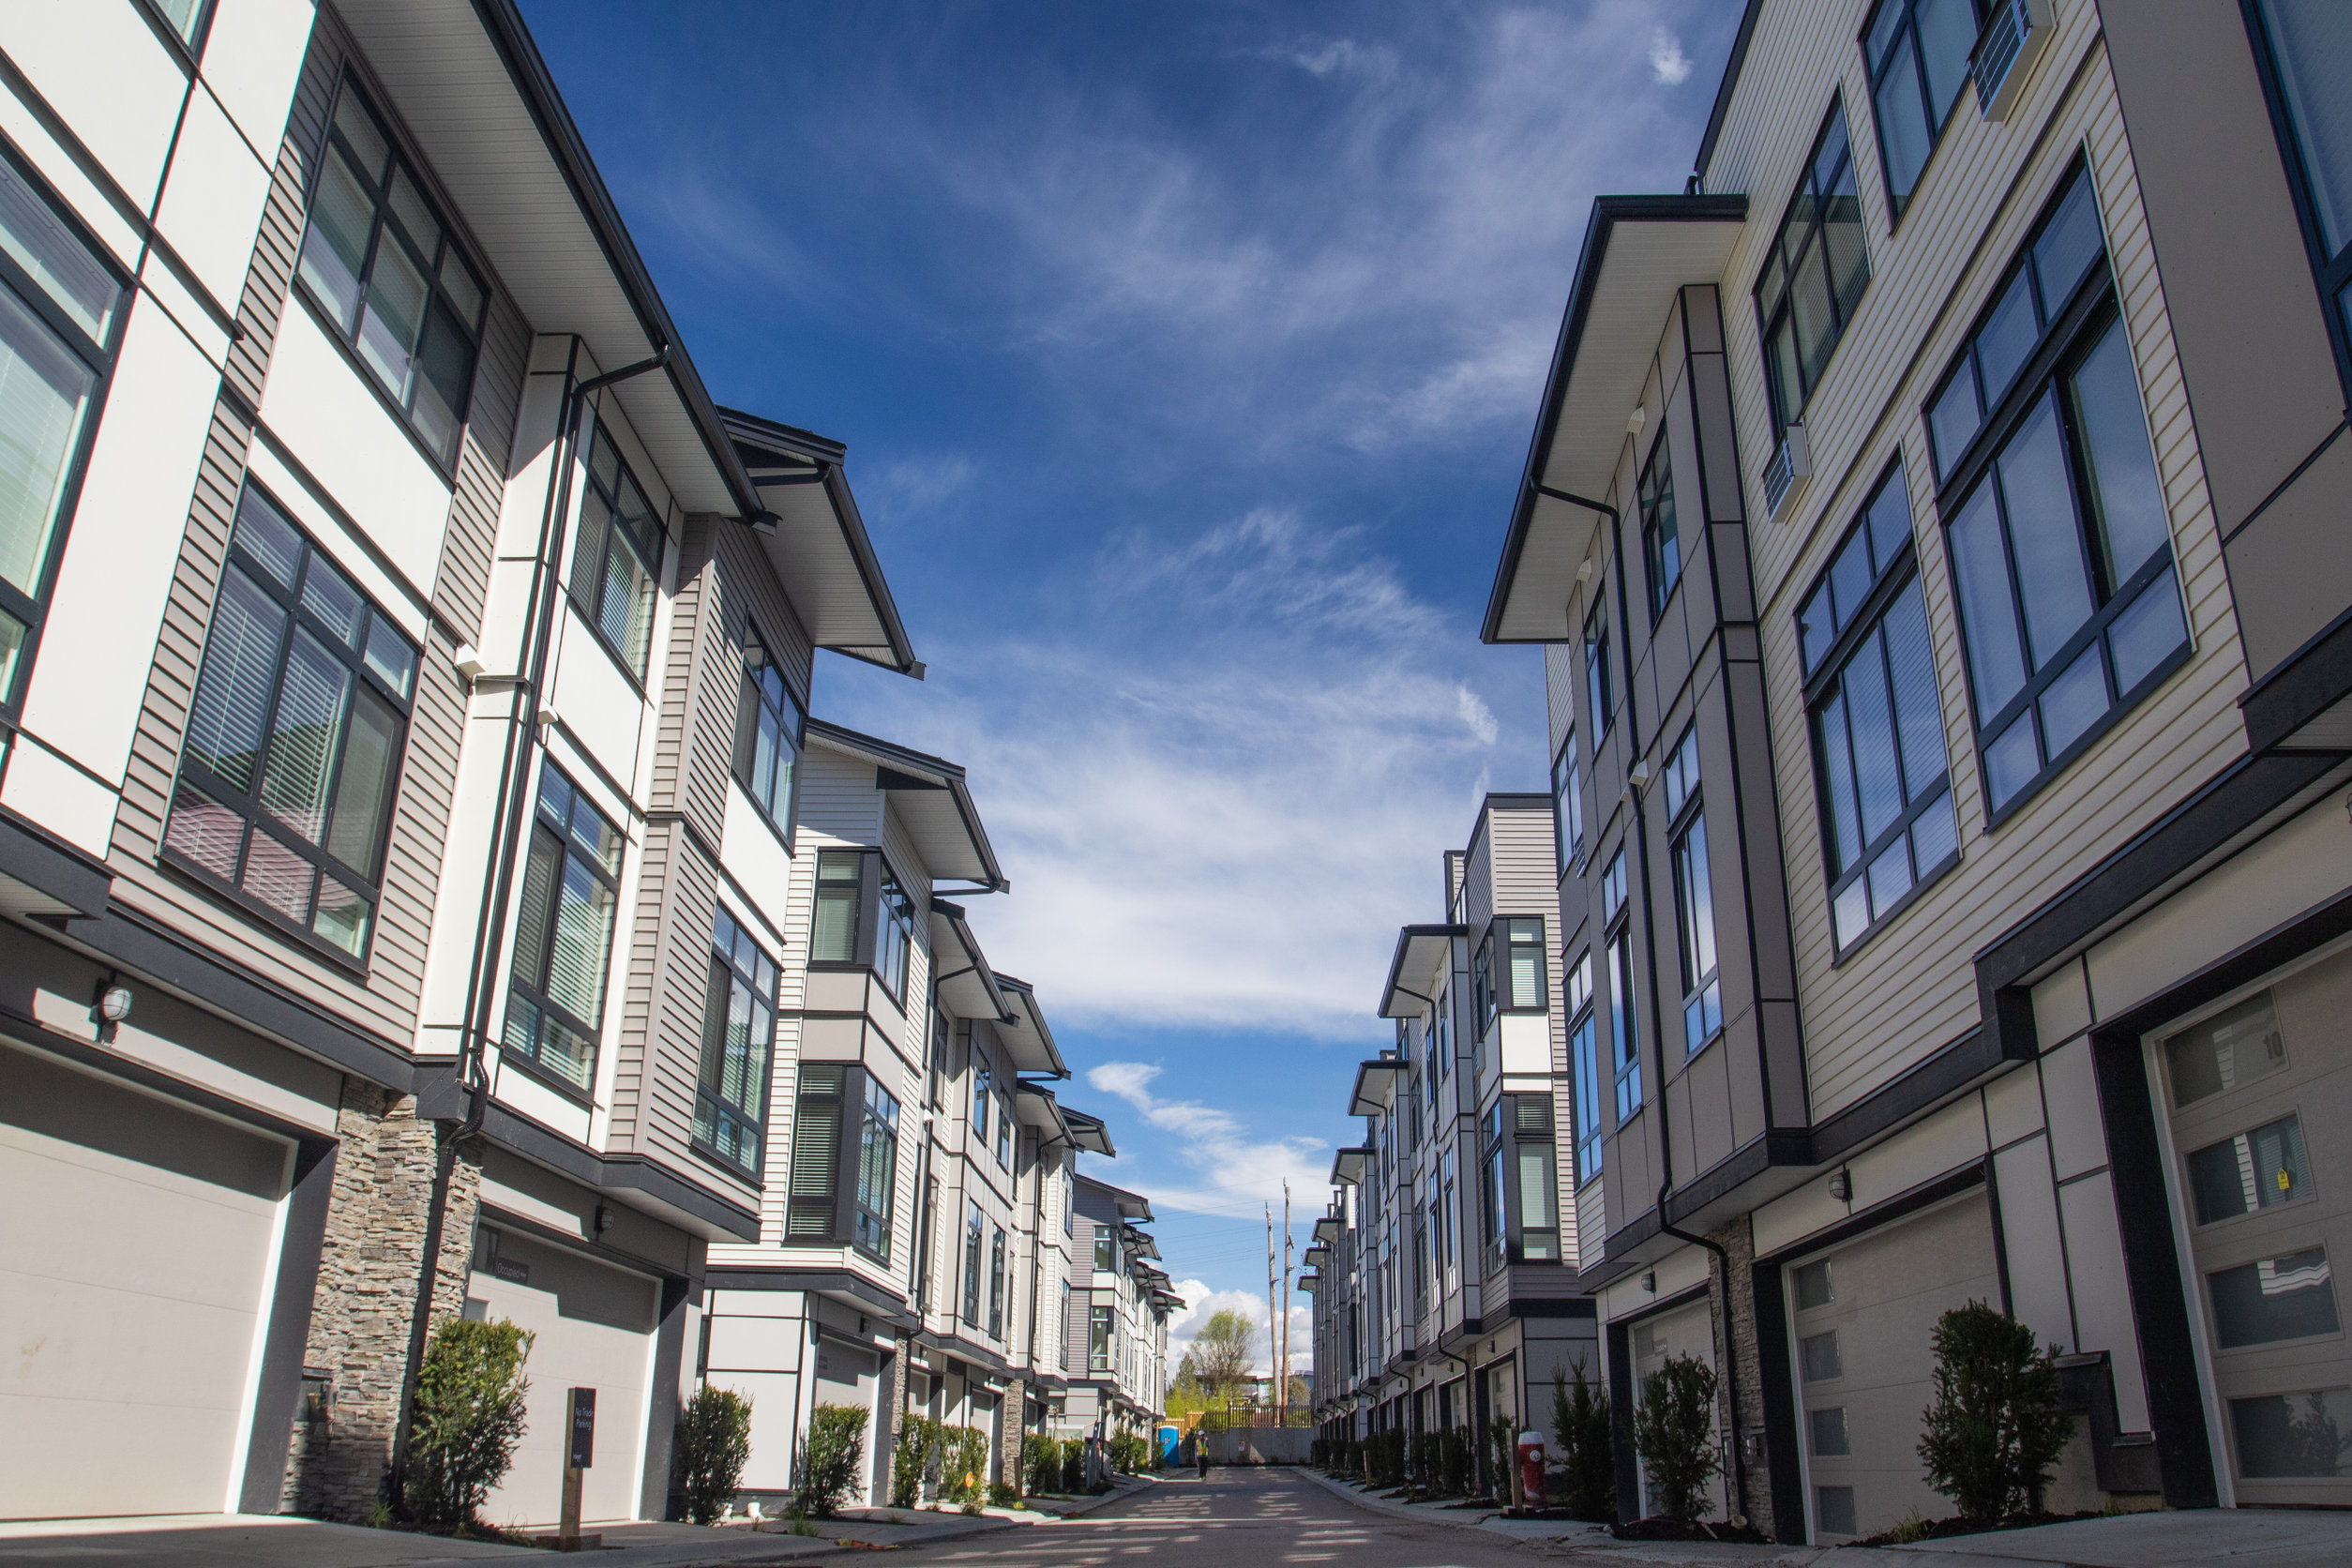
1483, 982
981, 1099
1004, 1135
2308, 41
1106, 1250
1623, 1031
1448, 1231
894, 935
1524, 953
1491, 1196
1814, 272
292, 753
617, 557
925, 1218
2251, 1172
1069, 1203
768, 724
1613, 888
186, 19
996, 1285
1567, 806
1694, 897
1917, 52
1884, 781
2226, 1051
1660, 547
2055, 522
1585, 1060
564, 938
1064, 1360
60, 312
1098, 1339
833, 932
974, 1229
817, 1116
1597, 667
1536, 1224
383, 267
2288, 1297
738, 1029
936, 1084
2291, 1435
877, 1170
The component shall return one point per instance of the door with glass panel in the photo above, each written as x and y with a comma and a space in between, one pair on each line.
2261, 1100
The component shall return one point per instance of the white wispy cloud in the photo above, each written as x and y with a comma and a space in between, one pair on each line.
1668, 65
1230, 1174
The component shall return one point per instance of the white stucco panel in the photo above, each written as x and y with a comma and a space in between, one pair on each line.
337, 428
754, 856
97, 641
123, 113
253, 59
600, 710
212, 200
1526, 1042
44, 788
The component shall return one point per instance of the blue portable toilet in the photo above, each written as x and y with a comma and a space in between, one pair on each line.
1170, 1441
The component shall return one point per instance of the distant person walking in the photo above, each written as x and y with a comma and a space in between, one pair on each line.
1200, 1453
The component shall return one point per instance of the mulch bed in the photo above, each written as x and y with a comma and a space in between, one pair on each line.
1674, 1530
1546, 1514
1944, 1530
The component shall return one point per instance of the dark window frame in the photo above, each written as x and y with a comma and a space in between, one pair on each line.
1878, 73
1101, 1330
188, 45
1686, 825
1769, 317
877, 1128
999, 1278
1624, 1015
870, 913
975, 1239
1516, 940
330, 316
760, 675
255, 818
1483, 998
729, 940
1661, 541
533, 991
1527, 1124
812, 1212
1591, 1126
615, 532
1597, 693
2332, 274
1568, 805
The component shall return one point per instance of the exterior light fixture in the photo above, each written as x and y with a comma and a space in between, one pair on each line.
112, 1007
1842, 1185
604, 1218
1650, 1282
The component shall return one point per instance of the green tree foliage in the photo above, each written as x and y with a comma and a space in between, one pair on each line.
830, 1454
1674, 1433
1587, 1463
963, 1472
918, 1448
1185, 1393
1994, 1429
1502, 1446
1073, 1465
469, 1417
1454, 1465
1041, 1463
712, 1446
1222, 1354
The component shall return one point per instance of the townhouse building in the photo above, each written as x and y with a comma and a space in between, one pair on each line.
1930, 527
1444, 1277
1114, 1333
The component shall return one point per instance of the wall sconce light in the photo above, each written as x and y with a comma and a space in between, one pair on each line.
604, 1218
1584, 574
1842, 1185
111, 1008
1649, 1283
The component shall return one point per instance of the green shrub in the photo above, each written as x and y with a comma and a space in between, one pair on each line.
712, 1446
1674, 1433
1130, 1452
963, 1466
1003, 1496
1502, 1444
1453, 1461
1073, 1464
830, 1453
1994, 1429
469, 1417
918, 1446
1041, 1463
1580, 1425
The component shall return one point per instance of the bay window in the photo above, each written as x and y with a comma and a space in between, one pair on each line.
1816, 270
290, 763
564, 935
1535, 1193
1098, 1339
2054, 516
877, 1170
894, 935
1523, 949
996, 1285
738, 1031
833, 930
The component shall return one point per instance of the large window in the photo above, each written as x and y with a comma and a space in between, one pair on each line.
383, 269
2307, 44
1597, 690
1624, 1039
738, 1029
1535, 1191
1004, 1133
1887, 820
1483, 983
1694, 897
877, 1170
1106, 1250
292, 753
2054, 515
1814, 272
894, 934
982, 1100
564, 938
1524, 950
617, 558
1567, 806
817, 1118
1448, 1225
1492, 1216
1660, 546
1098, 1339
976, 1229
833, 932
768, 725
1918, 54
60, 319
996, 1285
1583, 1058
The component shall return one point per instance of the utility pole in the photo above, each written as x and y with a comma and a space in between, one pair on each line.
1272, 1325
1285, 1373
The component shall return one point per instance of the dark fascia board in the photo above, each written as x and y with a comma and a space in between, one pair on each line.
1130, 1205
1089, 1133
1360, 1101
1054, 1118
851, 1288
1013, 986
1405, 938
927, 771
503, 21
1731, 69
1359, 1156
954, 916
1608, 212
827, 457
43, 863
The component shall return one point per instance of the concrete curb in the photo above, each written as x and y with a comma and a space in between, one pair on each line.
1371, 1502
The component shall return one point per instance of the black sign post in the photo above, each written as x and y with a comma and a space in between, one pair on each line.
580, 1451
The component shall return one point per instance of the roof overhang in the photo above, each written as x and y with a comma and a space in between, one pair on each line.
1423, 954
1327, 1228
1376, 1086
470, 85
1023, 1032
817, 542
1088, 1132
933, 804
1131, 1205
1310, 1283
1346, 1165
965, 981
1315, 1257
1140, 1241
1035, 1106
1639, 252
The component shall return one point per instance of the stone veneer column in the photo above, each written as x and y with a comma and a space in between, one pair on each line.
1013, 1422
1738, 1241
363, 1307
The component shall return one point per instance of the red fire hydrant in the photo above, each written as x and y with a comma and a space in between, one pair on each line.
1532, 1469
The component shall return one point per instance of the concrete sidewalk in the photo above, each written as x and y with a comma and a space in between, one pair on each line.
1488, 1519
259, 1541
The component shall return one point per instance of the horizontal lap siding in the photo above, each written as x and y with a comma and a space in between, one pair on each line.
1912, 988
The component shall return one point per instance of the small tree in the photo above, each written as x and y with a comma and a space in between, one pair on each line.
470, 1395
964, 1467
830, 1454
918, 1445
1041, 1463
1674, 1431
1580, 1425
1453, 1461
1995, 1427
712, 1446
1073, 1465
1221, 1354
1502, 1444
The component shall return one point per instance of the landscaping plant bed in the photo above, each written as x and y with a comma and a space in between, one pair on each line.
1471, 1502
1675, 1530
1549, 1513
1944, 1530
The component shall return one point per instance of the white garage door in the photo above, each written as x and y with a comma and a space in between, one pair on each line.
137, 1239
1864, 1315
595, 1328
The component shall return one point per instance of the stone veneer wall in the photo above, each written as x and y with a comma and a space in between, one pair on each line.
1738, 1241
357, 1358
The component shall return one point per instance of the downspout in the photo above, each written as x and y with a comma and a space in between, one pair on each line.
490, 929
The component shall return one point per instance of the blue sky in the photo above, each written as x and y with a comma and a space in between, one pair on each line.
1186, 355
